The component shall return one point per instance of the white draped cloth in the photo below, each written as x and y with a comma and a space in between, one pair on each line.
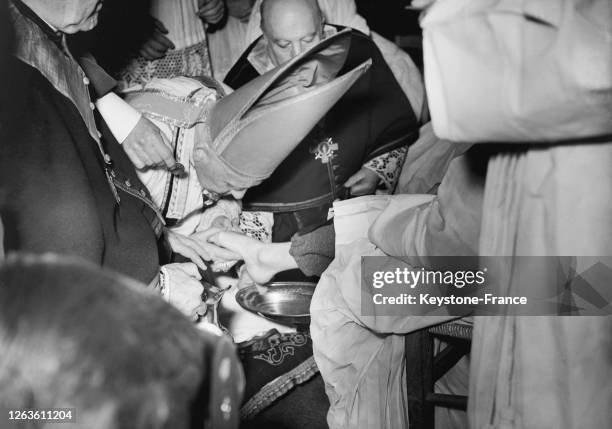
226, 45
185, 28
545, 372
361, 358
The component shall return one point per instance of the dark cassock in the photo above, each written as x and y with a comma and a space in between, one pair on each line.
369, 124
66, 185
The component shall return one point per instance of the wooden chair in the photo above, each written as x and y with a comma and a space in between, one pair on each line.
423, 369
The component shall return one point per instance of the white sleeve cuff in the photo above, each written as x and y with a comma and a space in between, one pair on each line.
164, 283
120, 117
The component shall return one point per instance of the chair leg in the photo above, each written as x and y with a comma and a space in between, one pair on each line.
448, 358
420, 383
456, 402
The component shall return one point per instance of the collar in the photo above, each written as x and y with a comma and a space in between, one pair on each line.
260, 58
38, 46
54, 34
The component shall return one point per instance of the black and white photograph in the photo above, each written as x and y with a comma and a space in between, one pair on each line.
306, 214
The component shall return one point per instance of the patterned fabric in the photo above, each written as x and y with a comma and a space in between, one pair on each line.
257, 225
177, 107
191, 61
461, 328
274, 363
388, 166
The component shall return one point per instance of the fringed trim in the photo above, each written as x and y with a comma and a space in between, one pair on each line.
278, 387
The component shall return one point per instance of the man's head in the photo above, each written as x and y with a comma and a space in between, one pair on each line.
68, 16
74, 336
290, 27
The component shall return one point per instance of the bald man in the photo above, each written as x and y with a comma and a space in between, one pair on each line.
291, 27
359, 146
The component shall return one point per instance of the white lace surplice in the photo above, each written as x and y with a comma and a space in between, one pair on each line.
190, 56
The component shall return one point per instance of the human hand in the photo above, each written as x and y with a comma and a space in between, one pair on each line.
189, 248
182, 288
211, 11
364, 182
157, 46
219, 255
240, 9
197, 249
147, 147
222, 258
262, 260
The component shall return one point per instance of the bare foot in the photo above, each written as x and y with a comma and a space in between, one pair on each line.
262, 260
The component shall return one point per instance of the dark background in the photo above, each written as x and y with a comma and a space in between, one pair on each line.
396, 21
393, 19
390, 17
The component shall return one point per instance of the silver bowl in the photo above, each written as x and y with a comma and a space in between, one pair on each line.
287, 303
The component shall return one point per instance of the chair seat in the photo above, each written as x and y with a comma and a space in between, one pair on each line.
461, 329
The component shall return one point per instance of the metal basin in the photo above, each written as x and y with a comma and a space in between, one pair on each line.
287, 303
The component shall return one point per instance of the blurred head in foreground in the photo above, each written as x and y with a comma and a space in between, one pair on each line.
73, 336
